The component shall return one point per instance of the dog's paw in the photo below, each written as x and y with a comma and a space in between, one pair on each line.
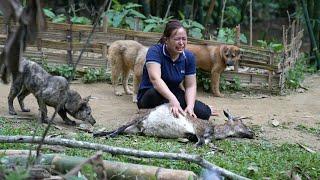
12, 112
134, 100
129, 92
118, 93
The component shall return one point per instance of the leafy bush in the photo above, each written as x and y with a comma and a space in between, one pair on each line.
155, 24
204, 81
57, 69
295, 76
194, 28
122, 15
274, 47
227, 35
61, 18
94, 75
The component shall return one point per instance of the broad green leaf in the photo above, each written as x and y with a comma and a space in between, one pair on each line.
136, 14
80, 20
59, 19
198, 25
130, 21
243, 38
132, 5
149, 27
196, 33
49, 13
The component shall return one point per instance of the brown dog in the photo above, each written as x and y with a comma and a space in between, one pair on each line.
126, 56
215, 59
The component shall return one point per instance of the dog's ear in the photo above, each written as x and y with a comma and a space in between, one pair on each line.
223, 52
236, 51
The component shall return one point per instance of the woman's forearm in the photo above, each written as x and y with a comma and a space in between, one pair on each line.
190, 95
190, 84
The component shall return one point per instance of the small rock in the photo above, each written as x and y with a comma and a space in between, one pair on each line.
275, 123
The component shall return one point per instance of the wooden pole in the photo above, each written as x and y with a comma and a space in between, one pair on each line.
168, 10
105, 46
314, 47
222, 13
250, 23
236, 66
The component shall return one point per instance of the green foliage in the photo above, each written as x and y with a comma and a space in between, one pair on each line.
274, 47
295, 76
236, 84
311, 130
155, 24
227, 35
232, 15
58, 69
61, 18
18, 174
204, 81
122, 15
193, 27
95, 75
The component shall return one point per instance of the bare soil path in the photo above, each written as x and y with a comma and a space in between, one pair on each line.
296, 113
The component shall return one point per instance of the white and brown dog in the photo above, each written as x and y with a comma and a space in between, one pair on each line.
215, 59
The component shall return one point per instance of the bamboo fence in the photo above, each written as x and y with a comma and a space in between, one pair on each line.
258, 68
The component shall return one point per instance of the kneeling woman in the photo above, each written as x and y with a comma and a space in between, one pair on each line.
167, 65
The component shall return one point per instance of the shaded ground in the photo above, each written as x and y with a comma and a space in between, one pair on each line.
298, 114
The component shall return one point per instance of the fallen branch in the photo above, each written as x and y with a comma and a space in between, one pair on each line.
124, 151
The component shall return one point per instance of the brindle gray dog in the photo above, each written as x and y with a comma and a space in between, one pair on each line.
49, 90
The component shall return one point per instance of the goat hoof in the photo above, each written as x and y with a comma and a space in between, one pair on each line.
25, 110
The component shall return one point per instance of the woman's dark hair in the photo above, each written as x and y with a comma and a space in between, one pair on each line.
170, 27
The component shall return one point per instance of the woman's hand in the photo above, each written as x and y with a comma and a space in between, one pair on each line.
189, 110
175, 108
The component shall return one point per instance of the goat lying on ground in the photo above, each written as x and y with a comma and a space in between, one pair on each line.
160, 122
49, 90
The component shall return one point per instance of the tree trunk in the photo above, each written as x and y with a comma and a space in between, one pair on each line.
209, 13
145, 7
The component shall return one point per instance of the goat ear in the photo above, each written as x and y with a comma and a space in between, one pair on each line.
228, 115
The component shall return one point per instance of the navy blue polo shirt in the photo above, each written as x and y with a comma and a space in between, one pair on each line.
172, 72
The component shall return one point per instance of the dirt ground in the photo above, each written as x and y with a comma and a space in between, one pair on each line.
296, 109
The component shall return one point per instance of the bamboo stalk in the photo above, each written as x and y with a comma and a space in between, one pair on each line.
114, 170
124, 151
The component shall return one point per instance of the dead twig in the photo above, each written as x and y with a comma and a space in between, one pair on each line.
93, 160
